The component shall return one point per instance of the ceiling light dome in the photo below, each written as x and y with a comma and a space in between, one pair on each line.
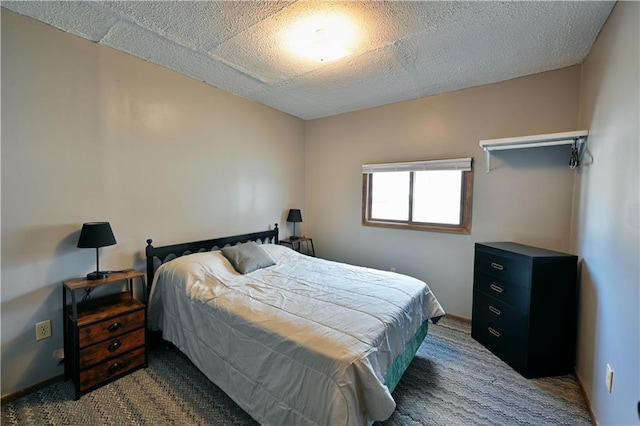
322, 37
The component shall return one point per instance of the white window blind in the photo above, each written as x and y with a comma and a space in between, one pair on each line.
463, 164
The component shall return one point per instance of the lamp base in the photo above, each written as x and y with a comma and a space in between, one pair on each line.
97, 275
293, 238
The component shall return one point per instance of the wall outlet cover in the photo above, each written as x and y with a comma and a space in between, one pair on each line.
43, 329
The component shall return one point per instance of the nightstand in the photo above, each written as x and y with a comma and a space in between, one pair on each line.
105, 337
298, 241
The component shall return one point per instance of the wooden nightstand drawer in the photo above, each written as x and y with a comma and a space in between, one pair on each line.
111, 369
112, 347
111, 327
515, 295
505, 268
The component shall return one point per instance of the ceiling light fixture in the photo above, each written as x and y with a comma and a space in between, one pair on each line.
323, 38
326, 46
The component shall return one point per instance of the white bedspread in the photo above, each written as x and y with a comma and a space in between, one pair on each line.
307, 341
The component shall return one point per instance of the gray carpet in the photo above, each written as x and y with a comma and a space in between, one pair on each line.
453, 380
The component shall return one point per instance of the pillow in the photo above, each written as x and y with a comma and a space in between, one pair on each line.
247, 257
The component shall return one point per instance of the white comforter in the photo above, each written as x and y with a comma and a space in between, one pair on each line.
307, 341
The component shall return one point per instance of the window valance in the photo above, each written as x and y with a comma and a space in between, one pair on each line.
463, 164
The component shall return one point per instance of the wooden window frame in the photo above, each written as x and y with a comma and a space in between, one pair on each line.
466, 201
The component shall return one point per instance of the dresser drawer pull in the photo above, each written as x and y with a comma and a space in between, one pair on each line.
497, 266
496, 288
495, 310
115, 345
115, 367
494, 332
114, 326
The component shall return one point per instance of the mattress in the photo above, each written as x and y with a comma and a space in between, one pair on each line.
306, 341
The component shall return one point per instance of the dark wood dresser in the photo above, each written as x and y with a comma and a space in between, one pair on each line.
525, 307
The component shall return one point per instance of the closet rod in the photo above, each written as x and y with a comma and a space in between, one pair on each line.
578, 137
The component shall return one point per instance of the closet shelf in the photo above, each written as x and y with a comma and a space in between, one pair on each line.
577, 138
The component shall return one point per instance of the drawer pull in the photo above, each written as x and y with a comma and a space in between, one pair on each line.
114, 326
495, 310
115, 367
494, 332
496, 288
497, 266
115, 345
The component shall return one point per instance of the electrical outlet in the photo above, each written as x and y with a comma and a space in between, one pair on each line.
392, 269
43, 329
609, 379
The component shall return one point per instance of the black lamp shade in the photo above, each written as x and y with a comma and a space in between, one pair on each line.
96, 234
294, 216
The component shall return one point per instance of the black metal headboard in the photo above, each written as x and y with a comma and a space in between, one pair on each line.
166, 253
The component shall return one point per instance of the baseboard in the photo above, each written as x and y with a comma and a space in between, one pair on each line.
458, 318
18, 394
586, 400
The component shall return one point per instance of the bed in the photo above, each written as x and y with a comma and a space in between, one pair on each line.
298, 340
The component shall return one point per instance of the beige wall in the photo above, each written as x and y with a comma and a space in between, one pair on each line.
526, 198
607, 220
90, 133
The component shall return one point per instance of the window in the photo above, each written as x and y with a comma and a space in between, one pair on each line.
423, 195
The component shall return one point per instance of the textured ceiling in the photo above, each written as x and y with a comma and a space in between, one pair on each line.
406, 50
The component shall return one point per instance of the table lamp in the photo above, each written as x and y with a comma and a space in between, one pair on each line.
294, 216
96, 235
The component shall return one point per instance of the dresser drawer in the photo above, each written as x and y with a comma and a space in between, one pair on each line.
111, 369
500, 315
503, 267
500, 345
518, 296
112, 347
111, 327
505, 337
